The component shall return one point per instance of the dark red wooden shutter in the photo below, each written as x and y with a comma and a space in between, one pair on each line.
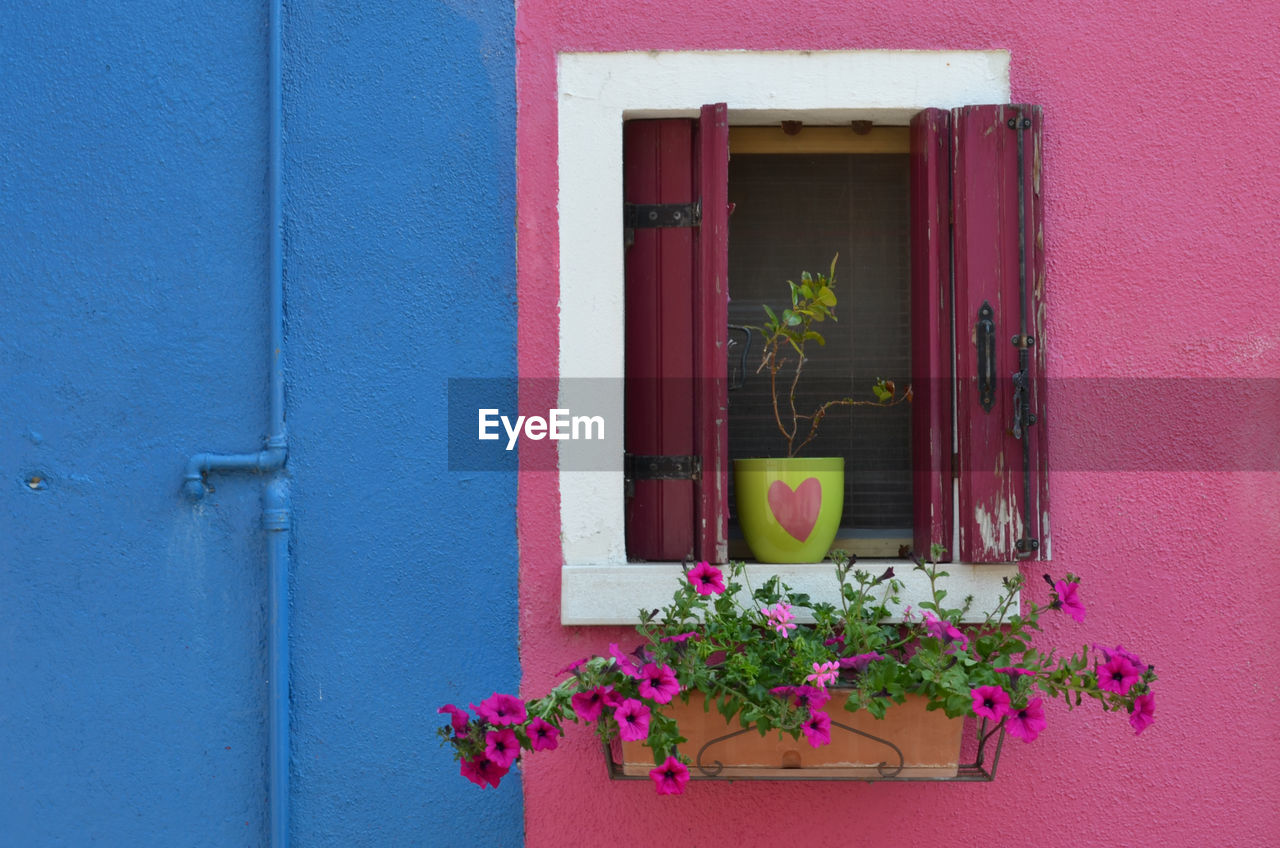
1003, 493
931, 344
676, 336
711, 347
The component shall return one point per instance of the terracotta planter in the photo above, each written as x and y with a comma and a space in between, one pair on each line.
910, 742
789, 509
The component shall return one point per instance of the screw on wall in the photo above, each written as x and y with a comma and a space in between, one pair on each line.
37, 482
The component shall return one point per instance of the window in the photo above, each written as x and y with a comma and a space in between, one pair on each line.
963, 170
598, 93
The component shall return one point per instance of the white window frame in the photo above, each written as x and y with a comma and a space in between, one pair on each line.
596, 92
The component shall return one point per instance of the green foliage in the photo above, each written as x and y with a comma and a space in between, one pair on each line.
813, 302
755, 652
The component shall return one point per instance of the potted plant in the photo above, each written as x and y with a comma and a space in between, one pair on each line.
775, 666
790, 507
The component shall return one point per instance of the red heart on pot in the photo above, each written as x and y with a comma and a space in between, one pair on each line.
796, 509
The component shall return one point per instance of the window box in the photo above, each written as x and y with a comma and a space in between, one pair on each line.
909, 743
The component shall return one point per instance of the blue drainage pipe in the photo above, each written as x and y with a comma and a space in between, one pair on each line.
277, 506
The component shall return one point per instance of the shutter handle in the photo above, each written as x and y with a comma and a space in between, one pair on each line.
985, 336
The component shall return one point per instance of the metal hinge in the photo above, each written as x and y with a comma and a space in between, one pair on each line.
653, 215
641, 467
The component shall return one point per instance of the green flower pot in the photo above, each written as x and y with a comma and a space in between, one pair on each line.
789, 509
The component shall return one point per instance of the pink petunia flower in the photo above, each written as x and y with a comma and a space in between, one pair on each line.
502, 747
1118, 675
990, 702
658, 683
824, 673
1119, 651
1027, 722
1069, 599
633, 720
706, 579
670, 777
501, 709
623, 662
780, 618
483, 771
1143, 713
810, 697
573, 666
683, 637
591, 703
543, 735
860, 661
458, 718
817, 728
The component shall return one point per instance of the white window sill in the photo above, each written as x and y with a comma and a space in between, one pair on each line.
615, 593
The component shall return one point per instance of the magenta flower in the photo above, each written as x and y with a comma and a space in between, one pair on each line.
683, 637
589, 704
860, 662
1118, 675
1069, 599
706, 578
543, 735
573, 666
633, 720
1026, 723
670, 777
623, 661
990, 702
1119, 651
459, 718
501, 709
658, 684
824, 673
780, 618
502, 747
1143, 713
810, 697
483, 771
817, 728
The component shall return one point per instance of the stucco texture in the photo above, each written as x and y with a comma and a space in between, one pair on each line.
134, 333
1161, 235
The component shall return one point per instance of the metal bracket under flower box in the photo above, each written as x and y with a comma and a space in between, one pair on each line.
976, 744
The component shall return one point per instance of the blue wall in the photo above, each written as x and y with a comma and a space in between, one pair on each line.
133, 333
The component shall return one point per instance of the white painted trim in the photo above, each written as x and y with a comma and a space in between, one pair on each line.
595, 92
615, 594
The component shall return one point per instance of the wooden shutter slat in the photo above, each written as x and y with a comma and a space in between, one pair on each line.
931, 343
712, 344
993, 498
660, 268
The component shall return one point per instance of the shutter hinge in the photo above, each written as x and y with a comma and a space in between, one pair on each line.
641, 467
653, 215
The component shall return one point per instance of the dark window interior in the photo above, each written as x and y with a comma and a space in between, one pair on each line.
793, 212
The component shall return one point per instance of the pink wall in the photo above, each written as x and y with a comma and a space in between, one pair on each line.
1161, 210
